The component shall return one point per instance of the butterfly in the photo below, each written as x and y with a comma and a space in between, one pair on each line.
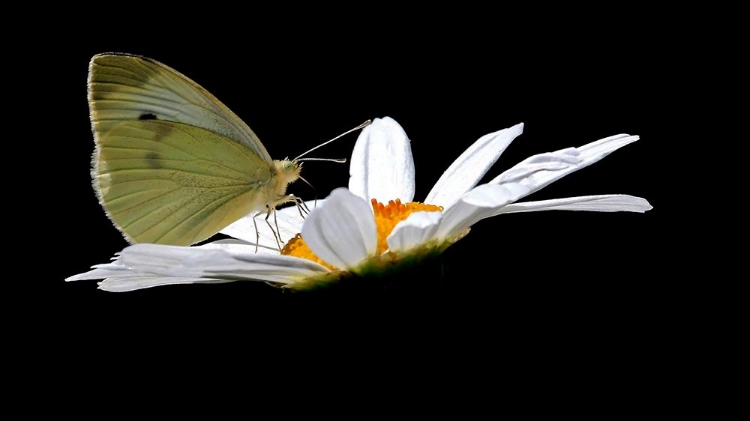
172, 164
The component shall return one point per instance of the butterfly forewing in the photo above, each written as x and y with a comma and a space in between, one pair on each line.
126, 87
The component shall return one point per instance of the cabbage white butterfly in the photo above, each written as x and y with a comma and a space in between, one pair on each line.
172, 164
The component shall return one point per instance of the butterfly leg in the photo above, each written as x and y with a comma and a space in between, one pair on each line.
276, 235
300, 204
257, 234
278, 231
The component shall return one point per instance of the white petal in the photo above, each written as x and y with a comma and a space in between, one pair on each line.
595, 151
145, 265
538, 171
382, 166
101, 271
417, 229
482, 202
216, 261
601, 203
523, 179
471, 166
289, 224
342, 231
142, 282
553, 161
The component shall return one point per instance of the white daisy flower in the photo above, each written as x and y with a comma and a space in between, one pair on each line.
352, 234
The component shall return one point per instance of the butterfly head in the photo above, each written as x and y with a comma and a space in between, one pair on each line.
288, 170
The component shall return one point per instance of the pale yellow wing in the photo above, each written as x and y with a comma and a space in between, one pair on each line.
123, 87
173, 183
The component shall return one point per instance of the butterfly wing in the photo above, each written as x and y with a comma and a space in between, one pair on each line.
123, 87
174, 183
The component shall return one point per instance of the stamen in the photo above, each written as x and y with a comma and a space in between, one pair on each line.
386, 218
298, 248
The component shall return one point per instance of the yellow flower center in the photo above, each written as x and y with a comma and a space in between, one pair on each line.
386, 218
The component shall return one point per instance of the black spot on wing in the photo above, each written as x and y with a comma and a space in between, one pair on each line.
152, 160
147, 116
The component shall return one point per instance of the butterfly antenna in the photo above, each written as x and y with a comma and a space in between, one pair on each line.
316, 195
337, 160
361, 126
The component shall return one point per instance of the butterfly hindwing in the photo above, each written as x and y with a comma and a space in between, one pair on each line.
174, 183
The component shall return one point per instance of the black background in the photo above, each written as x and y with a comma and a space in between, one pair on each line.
552, 283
